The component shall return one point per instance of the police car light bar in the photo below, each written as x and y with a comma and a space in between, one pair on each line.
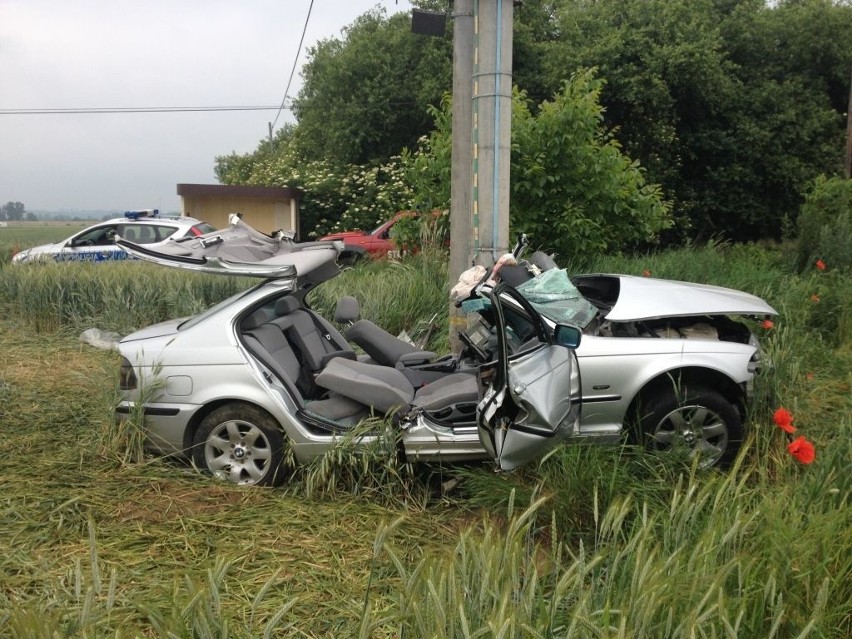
135, 215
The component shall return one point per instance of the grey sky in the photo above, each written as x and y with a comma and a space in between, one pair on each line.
57, 54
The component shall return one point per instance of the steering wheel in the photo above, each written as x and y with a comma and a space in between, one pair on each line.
478, 353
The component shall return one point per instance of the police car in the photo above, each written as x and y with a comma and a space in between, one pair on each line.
97, 243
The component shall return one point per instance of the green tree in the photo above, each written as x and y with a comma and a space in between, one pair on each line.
825, 225
732, 105
365, 96
13, 211
573, 189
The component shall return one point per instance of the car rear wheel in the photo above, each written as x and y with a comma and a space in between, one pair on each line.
241, 444
699, 422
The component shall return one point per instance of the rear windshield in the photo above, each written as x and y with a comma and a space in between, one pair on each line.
201, 229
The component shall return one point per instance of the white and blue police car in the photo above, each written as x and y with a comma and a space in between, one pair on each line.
97, 243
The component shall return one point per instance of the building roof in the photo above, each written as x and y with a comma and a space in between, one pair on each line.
273, 193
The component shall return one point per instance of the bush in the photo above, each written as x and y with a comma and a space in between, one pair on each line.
825, 228
337, 198
421, 231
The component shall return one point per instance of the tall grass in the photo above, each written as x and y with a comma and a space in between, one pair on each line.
721, 557
590, 542
20, 236
118, 297
398, 295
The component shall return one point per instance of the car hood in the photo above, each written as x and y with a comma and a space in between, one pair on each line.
640, 298
242, 250
36, 252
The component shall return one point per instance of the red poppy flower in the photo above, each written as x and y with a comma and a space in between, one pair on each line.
815, 298
820, 265
646, 273
802, 450
767, 324
784, 420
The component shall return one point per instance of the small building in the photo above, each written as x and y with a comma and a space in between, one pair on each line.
266, 208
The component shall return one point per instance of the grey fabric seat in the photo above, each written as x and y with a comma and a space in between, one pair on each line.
387, 390
384, 348
457, 388
270, 345
317, 341
341, 411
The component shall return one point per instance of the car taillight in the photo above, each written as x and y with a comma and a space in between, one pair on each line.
126, 376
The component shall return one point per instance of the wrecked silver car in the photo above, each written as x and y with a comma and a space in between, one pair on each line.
667, 364
261, 374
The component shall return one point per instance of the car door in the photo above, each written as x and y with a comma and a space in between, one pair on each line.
94, 244
531, 398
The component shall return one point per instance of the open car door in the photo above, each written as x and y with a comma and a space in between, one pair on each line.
531, 400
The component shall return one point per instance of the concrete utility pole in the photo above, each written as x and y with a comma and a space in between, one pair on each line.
462, 157
847, 165
482, 123
492, 125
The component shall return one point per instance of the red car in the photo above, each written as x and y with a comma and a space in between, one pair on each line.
377, 243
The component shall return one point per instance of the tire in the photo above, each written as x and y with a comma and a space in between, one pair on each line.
698, 421
241, 444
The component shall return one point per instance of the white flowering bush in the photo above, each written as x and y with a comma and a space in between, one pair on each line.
336, 198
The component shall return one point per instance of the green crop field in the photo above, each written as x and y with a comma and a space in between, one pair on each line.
99, 540
19, 236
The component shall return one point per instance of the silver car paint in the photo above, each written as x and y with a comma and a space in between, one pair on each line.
642, 298
615, 369
540, 384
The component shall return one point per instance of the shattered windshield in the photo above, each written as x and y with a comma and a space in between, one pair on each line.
554, 296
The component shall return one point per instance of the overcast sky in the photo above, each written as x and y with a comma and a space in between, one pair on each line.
61, 54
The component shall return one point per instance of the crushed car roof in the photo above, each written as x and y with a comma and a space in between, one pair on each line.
243, 251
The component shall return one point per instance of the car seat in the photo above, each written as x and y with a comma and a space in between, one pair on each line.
382, 347
388, 391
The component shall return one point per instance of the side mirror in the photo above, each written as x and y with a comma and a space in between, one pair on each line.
568, 336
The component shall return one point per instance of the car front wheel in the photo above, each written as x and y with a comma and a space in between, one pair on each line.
699, 421
241, 444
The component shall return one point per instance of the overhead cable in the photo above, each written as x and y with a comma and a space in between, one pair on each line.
292, 70
168, 109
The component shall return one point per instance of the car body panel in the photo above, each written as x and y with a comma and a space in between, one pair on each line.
614, 370
529, 405
377, 243
96, 243
240, 250
203, 362
640, 298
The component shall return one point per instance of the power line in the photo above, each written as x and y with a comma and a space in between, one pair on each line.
293, 69
168, 109
363, 105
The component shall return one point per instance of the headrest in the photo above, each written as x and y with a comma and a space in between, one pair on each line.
258, 318
286, 305
348, 310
